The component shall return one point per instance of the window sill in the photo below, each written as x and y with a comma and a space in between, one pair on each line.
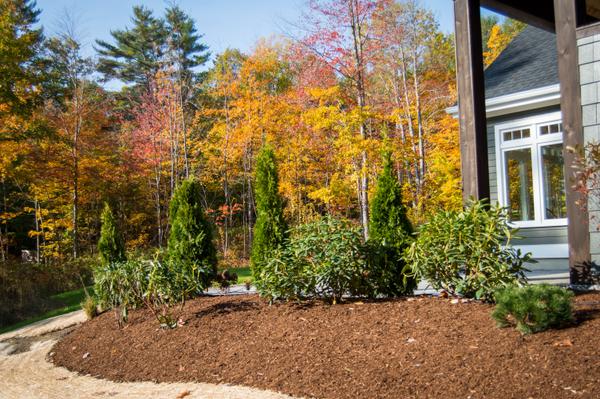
536, 224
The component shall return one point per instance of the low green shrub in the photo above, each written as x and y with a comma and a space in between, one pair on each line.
323, 259
89, 307
161, 287
469, 252
121, 285
533, 308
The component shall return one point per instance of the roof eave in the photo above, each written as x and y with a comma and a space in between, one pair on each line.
518, 102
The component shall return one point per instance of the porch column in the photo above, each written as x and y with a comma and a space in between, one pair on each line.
471, 100
570, 105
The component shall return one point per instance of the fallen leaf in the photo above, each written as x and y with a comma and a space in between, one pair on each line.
564, 343
410, 340
454, 301
86, 355
183, 394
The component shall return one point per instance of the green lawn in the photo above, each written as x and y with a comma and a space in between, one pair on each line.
66, 302
244, 274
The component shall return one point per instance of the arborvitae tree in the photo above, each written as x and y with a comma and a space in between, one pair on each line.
110, 245
270, 229
390, 232
191, 236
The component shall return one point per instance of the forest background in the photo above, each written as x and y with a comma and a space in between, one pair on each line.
355, 79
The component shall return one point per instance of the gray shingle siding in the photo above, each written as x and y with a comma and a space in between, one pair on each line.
528, 62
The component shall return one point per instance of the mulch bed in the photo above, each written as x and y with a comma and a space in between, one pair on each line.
417, 348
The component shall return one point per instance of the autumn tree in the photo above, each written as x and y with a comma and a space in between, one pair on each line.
500, 35
71, 73
337, 32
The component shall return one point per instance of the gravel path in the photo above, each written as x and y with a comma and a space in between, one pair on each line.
25, 373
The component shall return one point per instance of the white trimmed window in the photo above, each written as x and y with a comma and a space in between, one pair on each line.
530, 170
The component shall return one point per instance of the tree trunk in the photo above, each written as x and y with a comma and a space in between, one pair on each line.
361, 97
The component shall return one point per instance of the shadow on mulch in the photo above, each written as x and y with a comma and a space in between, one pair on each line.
226, 308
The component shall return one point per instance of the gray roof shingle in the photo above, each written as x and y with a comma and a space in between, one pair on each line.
528, 62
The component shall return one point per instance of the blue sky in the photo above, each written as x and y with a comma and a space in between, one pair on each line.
224, 23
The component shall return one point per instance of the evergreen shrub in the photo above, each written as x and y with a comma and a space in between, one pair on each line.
390, 235
190, 244
323, 259
270, 230
533, 308
469, 252
111, 245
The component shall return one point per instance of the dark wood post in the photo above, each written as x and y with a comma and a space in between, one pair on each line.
471, 100
570, 105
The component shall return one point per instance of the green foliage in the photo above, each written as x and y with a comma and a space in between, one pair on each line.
110, 246
322, 259
533, 308
468, 252
138, 52
270, 229
121, 285
20, 46
191, 237
156, 285
170, 285
390, 235
89, 307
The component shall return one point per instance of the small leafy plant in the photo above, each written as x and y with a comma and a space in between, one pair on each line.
322, 259
469, 252
120, 286
533, 308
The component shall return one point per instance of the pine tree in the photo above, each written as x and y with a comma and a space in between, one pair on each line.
110, 246
390, 233
136, 55
191, 236
270, 229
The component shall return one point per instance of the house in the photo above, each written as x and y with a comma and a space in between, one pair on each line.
522, 118
524, 136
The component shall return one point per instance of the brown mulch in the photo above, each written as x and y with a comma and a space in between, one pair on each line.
418, 348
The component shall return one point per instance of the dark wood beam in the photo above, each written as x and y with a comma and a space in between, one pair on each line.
471, 100
570, 105
536, 13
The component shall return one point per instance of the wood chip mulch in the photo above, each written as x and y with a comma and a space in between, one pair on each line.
416, 348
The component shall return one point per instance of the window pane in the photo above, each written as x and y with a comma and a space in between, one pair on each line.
519, 184
553, 179
526, 133
544, 130
507, 136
